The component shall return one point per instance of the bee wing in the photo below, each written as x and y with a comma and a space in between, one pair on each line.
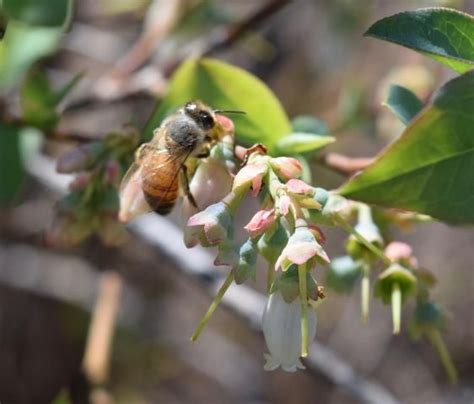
132, 200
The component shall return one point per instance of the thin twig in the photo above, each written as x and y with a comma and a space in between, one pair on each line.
345, 165
223, 38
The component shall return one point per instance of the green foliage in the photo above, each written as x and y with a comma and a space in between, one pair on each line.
302, 143
39, 100
309, 124
23, 45
403, 103
443, 34
33, 31
226, 87
430, 168
51, 13
11, 167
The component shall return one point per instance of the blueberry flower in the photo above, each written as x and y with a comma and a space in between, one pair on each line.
282, 332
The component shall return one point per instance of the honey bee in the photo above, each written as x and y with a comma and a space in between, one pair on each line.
159, 165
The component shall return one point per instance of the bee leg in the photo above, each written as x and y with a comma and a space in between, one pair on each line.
205, 153
187, 191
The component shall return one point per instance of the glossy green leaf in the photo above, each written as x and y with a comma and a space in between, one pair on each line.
38, 12
11, 167
443, 34
23, 45
430, 168
226, 87
403, 103
302, 143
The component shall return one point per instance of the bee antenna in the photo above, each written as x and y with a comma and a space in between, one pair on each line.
229, 111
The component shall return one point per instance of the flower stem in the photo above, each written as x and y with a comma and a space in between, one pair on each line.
270, 276
212, 308
378, 252
436, 340
365, 297
304, 309
396, 307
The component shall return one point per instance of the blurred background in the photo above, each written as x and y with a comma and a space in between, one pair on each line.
313, 55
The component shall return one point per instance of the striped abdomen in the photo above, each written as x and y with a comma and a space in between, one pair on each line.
161, 182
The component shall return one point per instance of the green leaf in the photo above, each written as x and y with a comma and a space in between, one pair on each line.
302, 143
443, 34
224, 86
309, 124
430, 168
403, 103
37, 101
51, 13
23, 45
11, 167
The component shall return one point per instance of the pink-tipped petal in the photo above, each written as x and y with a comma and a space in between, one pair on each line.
260, 222
296, 186
287, 167
251, 174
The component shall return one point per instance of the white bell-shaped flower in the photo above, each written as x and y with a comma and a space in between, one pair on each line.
282, 332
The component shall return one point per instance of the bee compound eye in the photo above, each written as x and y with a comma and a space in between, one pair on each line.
206, 120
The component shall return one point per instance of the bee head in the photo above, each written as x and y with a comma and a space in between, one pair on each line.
201, 114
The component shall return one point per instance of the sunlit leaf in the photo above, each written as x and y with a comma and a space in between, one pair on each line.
302, 143
403, 103
430, 168
226, 87
23, 45
443, 34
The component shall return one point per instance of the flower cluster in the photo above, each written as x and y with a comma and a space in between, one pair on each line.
281, 231
92, 204
285, 231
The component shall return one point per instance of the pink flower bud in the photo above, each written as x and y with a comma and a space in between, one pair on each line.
226, 123
214, 223
287, 167
301, 247
260, 222
250, 175
399, 251
295, 186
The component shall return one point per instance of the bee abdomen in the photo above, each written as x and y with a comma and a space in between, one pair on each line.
161, 189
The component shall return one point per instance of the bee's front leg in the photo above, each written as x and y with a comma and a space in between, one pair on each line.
204, 153
187, 191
